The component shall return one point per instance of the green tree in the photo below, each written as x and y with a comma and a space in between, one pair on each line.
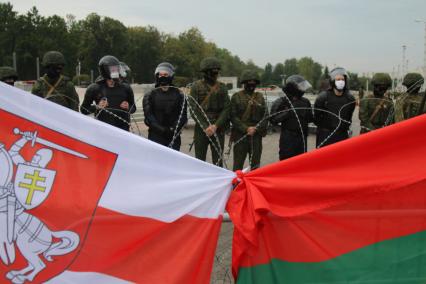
277, 74
310, 69
326, 73
354, 81
231, 64
144, 54
291, 67
267, 75
8, 33
100, 37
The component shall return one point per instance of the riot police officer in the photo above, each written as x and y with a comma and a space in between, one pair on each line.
8, 75
110, 100
209, 106
165, 108
54, 86
249, 123
333, 110
294, 113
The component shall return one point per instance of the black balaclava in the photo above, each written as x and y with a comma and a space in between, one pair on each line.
250, 87
54, 71
379, 90
211, 75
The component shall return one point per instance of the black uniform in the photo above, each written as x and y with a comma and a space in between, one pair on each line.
330, 129
164, 115
113, 114
294, 130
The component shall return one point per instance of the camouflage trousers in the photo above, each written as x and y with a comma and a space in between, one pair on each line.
202, 142
251, 146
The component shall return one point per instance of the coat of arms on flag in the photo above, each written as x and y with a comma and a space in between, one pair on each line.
45, 207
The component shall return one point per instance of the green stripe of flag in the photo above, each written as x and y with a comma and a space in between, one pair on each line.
401, 260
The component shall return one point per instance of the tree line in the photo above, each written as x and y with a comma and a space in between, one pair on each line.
85, 41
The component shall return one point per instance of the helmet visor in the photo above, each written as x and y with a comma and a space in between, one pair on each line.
304, 86
164, 69
123, 70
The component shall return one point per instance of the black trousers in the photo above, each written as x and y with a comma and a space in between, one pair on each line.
292, 143
153, 136
325, 137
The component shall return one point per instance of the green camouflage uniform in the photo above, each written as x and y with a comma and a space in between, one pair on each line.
408, 104
214, 101
63, 93
411, 105
375, 113
248, 110
58, 88
377, 110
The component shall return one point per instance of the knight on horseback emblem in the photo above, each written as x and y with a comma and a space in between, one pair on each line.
25, 185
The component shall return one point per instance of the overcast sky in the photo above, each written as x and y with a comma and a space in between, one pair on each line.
361, 35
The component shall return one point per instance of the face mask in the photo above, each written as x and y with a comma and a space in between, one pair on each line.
380, 90
53, 71
211, 75
250, 87
114, 72
340, 85
164, 81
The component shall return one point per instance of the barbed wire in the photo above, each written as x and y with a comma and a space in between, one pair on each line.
215, 142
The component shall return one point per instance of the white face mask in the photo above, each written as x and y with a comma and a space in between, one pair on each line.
340, 85
114, 72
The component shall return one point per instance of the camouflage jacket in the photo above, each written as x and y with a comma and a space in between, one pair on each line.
214, 102
408, 106
63, 93
248, 110
375, 112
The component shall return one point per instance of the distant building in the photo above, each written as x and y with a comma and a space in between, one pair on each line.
230, 82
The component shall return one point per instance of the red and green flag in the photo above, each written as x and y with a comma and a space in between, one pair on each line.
353, 212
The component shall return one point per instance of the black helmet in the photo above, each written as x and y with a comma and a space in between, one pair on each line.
296, 85
109, 67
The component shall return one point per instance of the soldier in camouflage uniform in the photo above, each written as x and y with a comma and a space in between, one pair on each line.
376, 111
408, 105
54, 86
248, 113
8, 75
209, 106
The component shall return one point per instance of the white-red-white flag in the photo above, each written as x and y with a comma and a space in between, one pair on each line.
85, 202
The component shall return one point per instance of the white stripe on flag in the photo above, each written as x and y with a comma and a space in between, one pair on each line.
148, 180
71, 277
